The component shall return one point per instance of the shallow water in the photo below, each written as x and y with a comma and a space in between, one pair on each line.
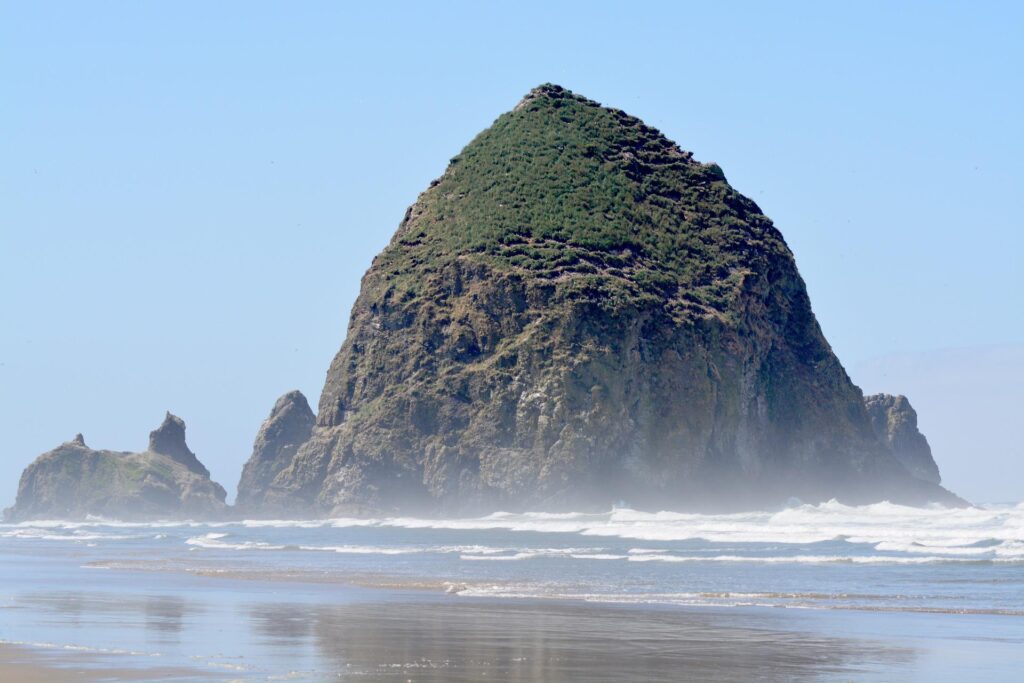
885, 593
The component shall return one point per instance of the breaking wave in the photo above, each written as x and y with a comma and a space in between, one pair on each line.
913, 559
897, 534
995, 532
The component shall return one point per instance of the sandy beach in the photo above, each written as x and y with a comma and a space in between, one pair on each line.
429, 638
22, 665
818, 594
49, 665
461, 641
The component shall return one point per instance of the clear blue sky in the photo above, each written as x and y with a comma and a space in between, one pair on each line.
190, 192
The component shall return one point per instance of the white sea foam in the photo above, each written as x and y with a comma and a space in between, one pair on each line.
285, 523
94, 522
795, 600
994, 533
807, 559
58, 534
806, 524
216, 542
222, 541
535, 553
556, 592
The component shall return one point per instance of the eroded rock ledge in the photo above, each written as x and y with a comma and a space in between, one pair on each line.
165, 481
895, 422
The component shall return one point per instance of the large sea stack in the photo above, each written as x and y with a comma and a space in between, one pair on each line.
165, 481
576, 314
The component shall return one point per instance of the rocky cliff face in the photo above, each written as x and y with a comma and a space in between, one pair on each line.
166, 481
578, 313
895, 422
289, 425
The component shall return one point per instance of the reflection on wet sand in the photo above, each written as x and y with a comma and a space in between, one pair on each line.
283, 624
161, 613
464, 641
435, 639
165, 614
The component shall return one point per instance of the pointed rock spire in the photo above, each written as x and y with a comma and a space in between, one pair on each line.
169, 439
288, 427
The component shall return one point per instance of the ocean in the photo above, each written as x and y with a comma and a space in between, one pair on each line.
812, 592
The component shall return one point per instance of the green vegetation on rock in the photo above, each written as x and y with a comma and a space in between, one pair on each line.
165, 481
590, 199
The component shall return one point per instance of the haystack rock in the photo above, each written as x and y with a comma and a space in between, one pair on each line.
578, 313
165, 481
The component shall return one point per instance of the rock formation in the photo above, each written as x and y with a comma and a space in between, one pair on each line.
289, 426
169, 439
579, 313
165, 481
895, 423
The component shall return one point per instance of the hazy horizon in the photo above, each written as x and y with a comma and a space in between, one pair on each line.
186, 230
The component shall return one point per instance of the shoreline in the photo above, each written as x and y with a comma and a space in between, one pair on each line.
352, 603
464, 589
439, 639
46, 663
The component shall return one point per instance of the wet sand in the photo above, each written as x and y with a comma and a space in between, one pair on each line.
461, 641
193, 618
457, 640
41, 665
